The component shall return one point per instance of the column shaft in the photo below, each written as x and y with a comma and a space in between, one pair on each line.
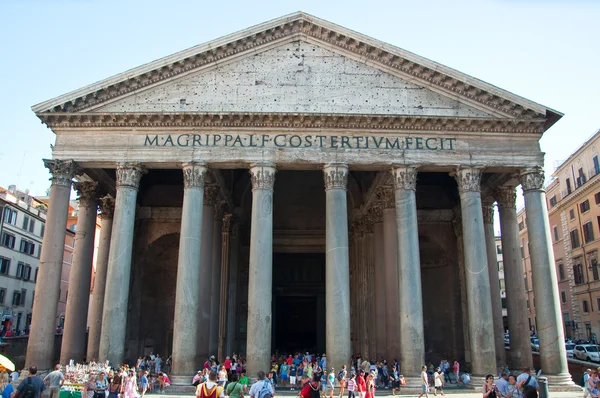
208, 210
412, 344
40, 348
380, 309
553, 356
187, 292
224, 302
260, 280
215, 285
233, 283
114, 315
337, 273
107, 207
481, 325
490, 240
516, 297
73, 342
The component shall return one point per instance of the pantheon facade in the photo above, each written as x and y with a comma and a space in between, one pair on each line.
297, 186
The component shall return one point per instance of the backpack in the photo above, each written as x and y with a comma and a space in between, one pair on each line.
340, 375
29, 390
527, 387
265, 392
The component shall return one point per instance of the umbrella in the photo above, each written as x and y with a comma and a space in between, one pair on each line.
6, 363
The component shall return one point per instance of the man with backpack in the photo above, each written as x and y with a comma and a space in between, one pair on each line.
342, 379
263, 388
526, 381
31, 386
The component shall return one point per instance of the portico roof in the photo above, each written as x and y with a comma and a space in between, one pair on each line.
301, 26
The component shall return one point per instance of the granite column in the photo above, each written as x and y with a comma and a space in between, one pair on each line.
337, 273
187, 292
215, 284
206, 265
516, 297
379, 267
107, 209
232, 304
260, 279
40, 347
224, 304
481, 325
80, 276
553, 357
410, 308
492, 257
116, 296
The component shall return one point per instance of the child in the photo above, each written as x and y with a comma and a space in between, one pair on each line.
144, 382
292, 377
351, 386
151, 384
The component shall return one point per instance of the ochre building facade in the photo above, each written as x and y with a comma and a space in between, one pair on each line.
299, 173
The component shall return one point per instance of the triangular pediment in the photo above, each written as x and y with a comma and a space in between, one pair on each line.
296, 77
298, 63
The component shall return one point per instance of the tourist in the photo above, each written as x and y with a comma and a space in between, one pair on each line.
274, 370
308, 370
342, 379
114, 388
284, 373
234, 388
591, 386
197, 379
502, 383
465, 379
456, 370
351, 386
395, 379
222, 376
385, 375
424, 382
370, 386
101, 384
228, 364
588, 373
513, 389
89, 387
144, 382
6, 389
129, 387
330, 383
210, 388
312, 388
262, 387
244, 381
292, 376
54, 380
489, 388
31, 383
526, 379
361, 384
438, 381
158, 363
140, 363
14, 376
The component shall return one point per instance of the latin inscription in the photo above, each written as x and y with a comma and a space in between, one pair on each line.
301, 141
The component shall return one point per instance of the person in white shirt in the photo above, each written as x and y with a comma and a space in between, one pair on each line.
438, 381
14, 376
255, 390
425, 382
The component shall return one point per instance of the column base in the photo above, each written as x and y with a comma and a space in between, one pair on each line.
181, 385
561, 382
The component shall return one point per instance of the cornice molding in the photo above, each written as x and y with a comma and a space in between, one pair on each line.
300, 26
292, 120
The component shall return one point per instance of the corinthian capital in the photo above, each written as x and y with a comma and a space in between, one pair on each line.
193, 175
506, 197
532, 179
88, 193
107, 207
468, 179
129, 175
386, 196
488, 212
405, 177
211, 192
336, 176
62, 171
263, 176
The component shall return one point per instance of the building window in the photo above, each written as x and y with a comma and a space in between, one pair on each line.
522, 252
27, 247
28, 224
2, 295
561, 271
20, 268
504, 302
553, 201
27, 272
73, 227
597, 198
10, 216
37, 270
16, 298
595, 269
572, 214
584, 305
563, 297
4, 265
500, 266
578, 273
598, 303
568, 181
521, 225
501, 283
23, 295
527, 303
42, 230
574, 239
555, 230
584, 206
8, 240
499, 249
31, 225
580, 178
588, 232
526, 284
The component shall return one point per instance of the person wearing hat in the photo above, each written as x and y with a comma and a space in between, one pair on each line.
438, 381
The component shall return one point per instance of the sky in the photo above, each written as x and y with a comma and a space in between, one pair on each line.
547, 51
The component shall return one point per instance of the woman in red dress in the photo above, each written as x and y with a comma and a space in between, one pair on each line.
370, 386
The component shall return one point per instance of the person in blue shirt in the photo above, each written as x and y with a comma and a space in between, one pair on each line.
283, 373
144, 382
7, 388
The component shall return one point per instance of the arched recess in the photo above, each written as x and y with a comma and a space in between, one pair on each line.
158, 282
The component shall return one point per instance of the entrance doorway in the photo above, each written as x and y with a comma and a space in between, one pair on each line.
298, 302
